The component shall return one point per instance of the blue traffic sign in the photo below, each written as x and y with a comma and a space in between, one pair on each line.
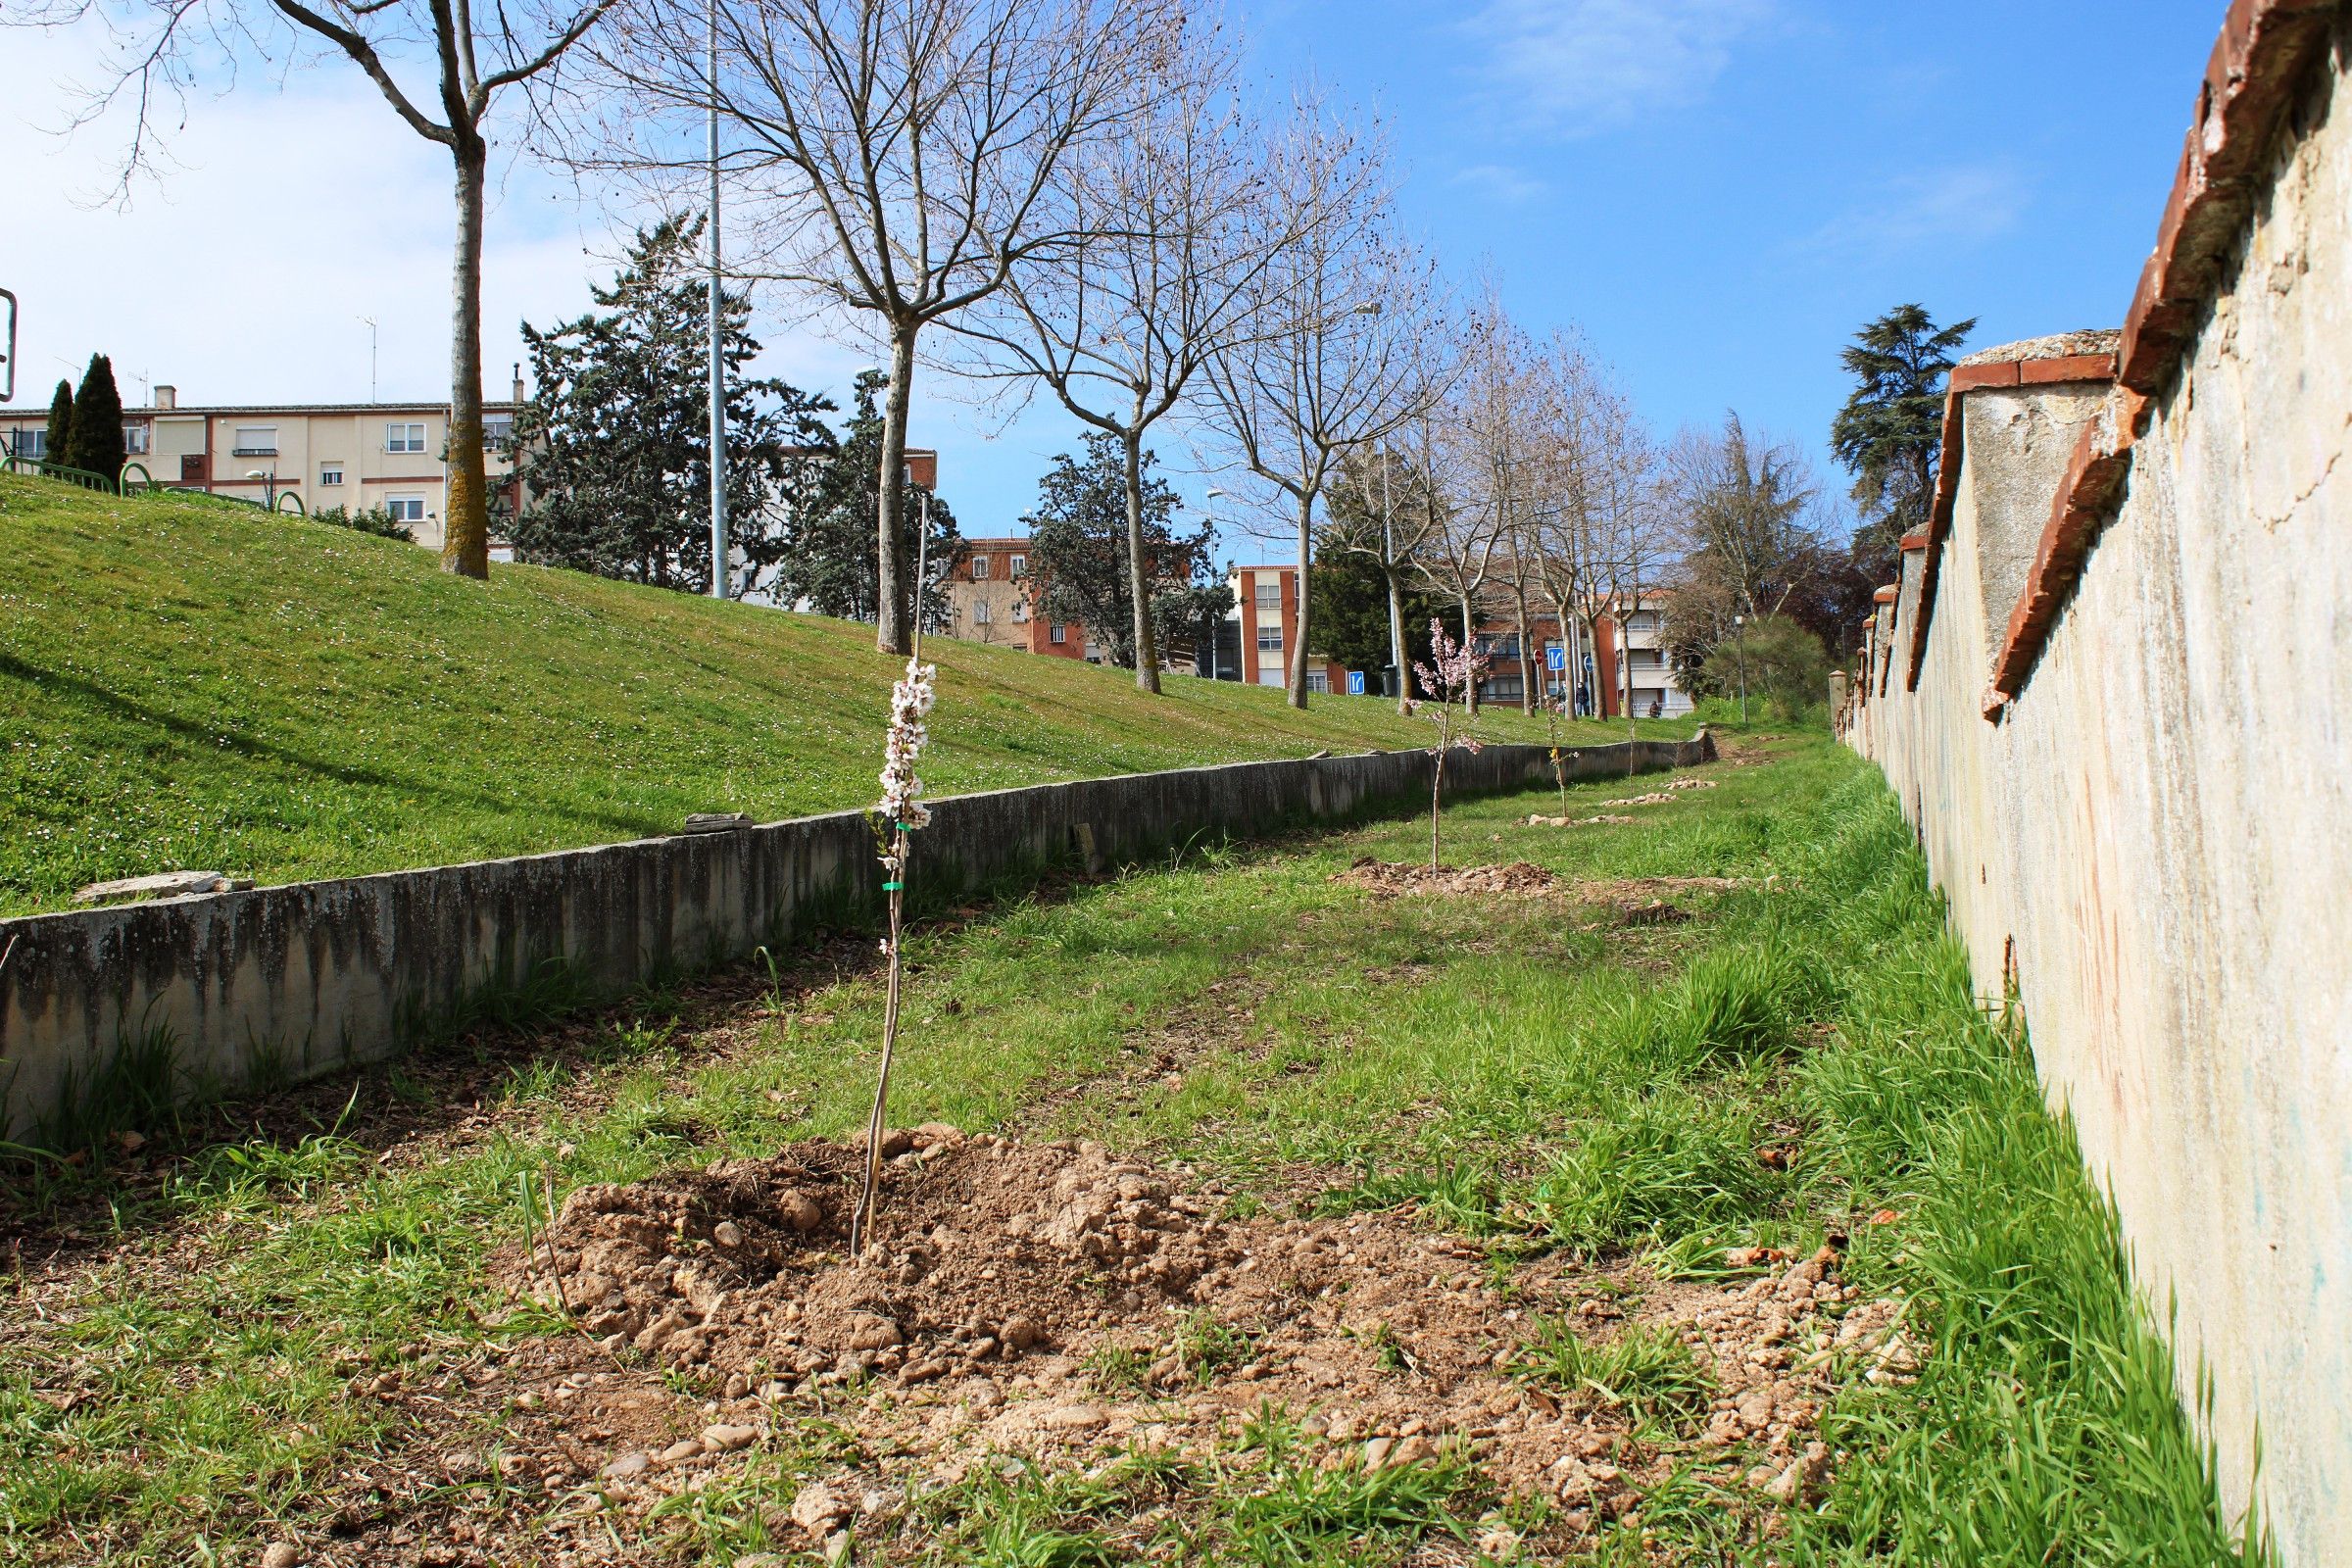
1355, 683
1556, 658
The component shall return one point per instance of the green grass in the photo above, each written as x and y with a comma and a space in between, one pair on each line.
192, 686
1519, 1070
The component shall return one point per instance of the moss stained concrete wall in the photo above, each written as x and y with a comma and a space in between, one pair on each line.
299, 980
2150, 836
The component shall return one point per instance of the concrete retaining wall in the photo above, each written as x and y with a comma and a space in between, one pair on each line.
299, 980
2122, 723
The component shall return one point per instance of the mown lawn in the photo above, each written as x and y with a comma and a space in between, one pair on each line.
1528, 1072
196, 686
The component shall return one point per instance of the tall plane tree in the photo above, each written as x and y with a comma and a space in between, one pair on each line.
1158, 275
890, 162
443, 66
1328, 367
1891, 427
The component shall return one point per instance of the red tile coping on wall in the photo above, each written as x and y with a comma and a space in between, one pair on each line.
1964, 379
2259, 65
1885, 595
1915, 541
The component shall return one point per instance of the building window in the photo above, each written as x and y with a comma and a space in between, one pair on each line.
1021, 610
498, 431
979, 568
1020, 565
980, 612
1503, 689
331, 473
404, 508
404, 437
1499, 645
1269, 639
1057, 632
1319, 680
134, 440
34, 443
255, 441
1268, 590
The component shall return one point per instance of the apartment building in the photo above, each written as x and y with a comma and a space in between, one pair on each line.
1594, 667
990, 597
357, 456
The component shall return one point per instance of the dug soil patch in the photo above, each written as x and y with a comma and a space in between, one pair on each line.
1058, 1303
1388, 878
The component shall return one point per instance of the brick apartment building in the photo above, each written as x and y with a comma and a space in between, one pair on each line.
991, 599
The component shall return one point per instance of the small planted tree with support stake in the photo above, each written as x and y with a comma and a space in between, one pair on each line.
1449, 679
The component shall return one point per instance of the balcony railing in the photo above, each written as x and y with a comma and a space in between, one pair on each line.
253, 451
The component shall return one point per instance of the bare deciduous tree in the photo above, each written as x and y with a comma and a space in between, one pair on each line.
1329, 365
163, 48
1169, 242
893, 159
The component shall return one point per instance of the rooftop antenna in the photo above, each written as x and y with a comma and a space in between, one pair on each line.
370, 320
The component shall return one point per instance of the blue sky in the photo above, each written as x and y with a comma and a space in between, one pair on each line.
1716, 192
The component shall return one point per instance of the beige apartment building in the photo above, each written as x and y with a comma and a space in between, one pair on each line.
357, 456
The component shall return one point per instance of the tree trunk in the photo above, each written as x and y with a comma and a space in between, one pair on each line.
1306, 526
892, 624
1469, 638
1437, 790
465, 510
1139, 573
1527, 688
1405, 675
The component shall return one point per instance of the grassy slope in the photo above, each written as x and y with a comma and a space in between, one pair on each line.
192, 685
1531, 1078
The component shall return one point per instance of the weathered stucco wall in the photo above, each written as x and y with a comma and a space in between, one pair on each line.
2148, 830
303, 979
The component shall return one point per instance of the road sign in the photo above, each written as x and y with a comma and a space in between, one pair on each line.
1355, 683
1556, 658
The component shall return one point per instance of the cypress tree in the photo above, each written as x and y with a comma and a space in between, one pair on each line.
96, 444
61, 423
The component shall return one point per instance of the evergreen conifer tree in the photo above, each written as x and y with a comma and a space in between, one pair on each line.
1078, 550
1891, 427
61, 422
96, 442
617, 439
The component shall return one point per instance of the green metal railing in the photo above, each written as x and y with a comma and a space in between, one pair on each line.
42, 469
144, 484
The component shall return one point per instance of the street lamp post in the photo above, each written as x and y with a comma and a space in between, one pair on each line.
1740, 640
719, 380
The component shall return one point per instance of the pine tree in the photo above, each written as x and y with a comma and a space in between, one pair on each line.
61, 423
825, 545
95, 444
616, 440
1891, 427
1078, 550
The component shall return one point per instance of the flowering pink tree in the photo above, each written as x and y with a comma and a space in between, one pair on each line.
901, 811
1453, 679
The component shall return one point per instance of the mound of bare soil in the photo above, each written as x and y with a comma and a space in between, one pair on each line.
1392, 877
1058, 1302
1539, 820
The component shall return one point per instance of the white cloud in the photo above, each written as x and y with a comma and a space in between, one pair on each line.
1571, 67
1959, 205
1500, 183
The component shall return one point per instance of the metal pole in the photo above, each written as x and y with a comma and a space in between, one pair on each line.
922, 557
719, 374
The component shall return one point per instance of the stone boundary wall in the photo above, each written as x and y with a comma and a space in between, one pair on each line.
294, 981
2113, 690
